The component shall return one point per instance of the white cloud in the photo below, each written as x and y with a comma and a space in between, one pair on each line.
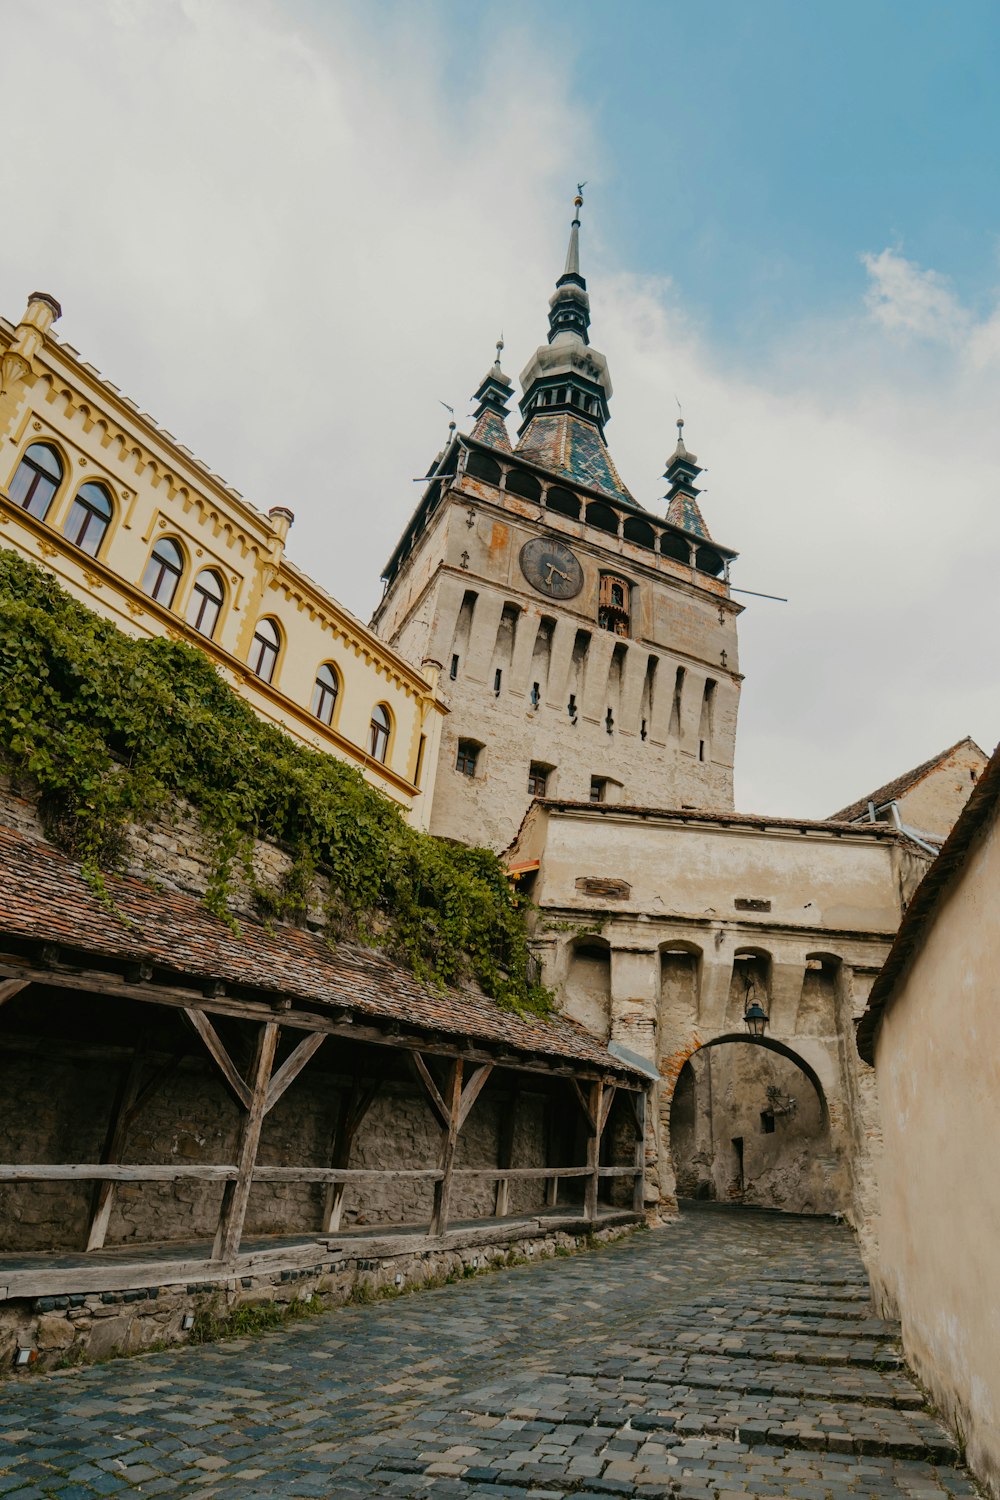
289, 232
905, 299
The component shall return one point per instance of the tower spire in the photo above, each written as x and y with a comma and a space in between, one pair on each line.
569, 307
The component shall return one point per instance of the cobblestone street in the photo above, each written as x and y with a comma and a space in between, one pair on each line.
732, 1354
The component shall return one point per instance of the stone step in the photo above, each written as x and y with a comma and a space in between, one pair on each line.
790, 1348
813, 1307
845, 1428
775, 1322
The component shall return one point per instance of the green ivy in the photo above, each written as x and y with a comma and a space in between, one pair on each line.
114, 731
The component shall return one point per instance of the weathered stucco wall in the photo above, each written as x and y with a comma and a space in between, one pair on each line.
937, 799
729, 1141
937, 1062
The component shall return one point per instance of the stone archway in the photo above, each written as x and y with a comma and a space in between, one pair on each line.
749, 1122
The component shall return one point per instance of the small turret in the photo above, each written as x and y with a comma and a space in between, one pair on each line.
41, 312
682, 496
493, 396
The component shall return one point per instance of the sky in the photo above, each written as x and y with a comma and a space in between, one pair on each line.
290, 231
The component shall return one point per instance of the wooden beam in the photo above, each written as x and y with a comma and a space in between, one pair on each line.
585, 1104
354, 1105
223, 1172
505, 1156
292, 1067
595, 1106
449, 1140
639, 1182
85, 1171
471, 1092
182, 996
236, 1195
433, 1092
11, 987
609, 1099
220, 1056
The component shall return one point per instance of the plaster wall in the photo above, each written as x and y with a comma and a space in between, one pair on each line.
937, 1061
658, 957
158, 489
937, 799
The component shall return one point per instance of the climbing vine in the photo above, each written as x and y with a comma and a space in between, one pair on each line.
114, 730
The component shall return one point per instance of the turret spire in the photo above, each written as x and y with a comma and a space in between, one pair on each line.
569, 307
567, 387
682, 497
493, 394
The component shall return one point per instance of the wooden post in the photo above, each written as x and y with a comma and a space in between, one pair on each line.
505, 1156
639, 1181
354, 1105
551, 1154
449, 1140
452, 1109
114, 1143
595, 1104
236, 1195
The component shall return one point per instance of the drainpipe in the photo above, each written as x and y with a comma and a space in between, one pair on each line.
901, 827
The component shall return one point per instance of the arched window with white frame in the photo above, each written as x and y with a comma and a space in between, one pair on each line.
205, 603
264, 650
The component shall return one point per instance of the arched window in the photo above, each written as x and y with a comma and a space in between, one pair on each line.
264, 650
163, 572
378, 732
205, 603
325, 692
36, 479
89, 518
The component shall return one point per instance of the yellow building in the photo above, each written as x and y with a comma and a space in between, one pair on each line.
134, 525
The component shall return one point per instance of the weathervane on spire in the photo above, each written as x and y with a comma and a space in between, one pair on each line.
578, 202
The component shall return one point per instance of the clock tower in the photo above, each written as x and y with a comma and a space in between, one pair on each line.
586, 645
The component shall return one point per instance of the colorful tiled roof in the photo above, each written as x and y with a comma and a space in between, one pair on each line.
491, 428
43, 896
683, 511
574, 449
897, 788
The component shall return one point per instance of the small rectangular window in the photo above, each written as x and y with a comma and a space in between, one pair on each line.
468, 757
422, 746
767, 1121
701, 749
454, 668
497, 680
598, 788
538, 778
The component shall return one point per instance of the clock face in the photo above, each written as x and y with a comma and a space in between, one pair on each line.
551, 568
